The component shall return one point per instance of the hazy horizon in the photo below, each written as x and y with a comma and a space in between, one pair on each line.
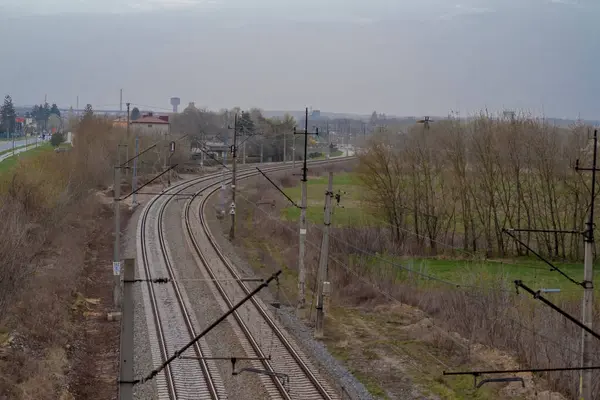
416, 58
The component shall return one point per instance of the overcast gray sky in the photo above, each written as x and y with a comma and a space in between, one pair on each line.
402, 57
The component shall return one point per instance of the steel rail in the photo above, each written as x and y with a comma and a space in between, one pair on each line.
294, 355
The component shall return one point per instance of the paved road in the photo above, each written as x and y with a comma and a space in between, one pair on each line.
20, 142
347, 151
17, 151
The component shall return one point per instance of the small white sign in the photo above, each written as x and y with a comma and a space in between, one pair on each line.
117, 268
232, 211
303, 231
232, 205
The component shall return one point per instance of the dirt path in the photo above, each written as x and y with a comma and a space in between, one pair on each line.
95, 349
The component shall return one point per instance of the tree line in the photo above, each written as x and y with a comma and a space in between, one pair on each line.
203, 125
43, 114
461, 183
8, 115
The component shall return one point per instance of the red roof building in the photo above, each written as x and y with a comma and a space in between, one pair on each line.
151, 125
151, 120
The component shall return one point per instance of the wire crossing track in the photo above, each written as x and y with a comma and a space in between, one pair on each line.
171, 321
171, 324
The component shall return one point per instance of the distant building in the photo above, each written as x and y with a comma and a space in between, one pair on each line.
120, 122
216, 149
151, 125
19, 124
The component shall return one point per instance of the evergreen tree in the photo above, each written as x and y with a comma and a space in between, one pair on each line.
54, 110
41, 113
46, 114
135, 113
88, 113
374, 119
35, 112
8, 115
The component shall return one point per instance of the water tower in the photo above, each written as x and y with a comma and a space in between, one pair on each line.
175, 102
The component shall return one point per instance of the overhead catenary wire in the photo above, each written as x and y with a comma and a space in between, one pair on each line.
383, 292
179, 352
363, 279
394, 299
424, 275
474, 256
552, 266
538, 296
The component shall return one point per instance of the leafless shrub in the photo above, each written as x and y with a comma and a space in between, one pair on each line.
46, 205
462, 183
483, 309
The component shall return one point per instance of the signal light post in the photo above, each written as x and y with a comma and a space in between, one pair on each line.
234, 155
302, 239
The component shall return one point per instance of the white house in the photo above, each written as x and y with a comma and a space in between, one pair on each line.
150, 125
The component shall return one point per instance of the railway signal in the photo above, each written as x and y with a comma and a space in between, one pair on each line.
302, 239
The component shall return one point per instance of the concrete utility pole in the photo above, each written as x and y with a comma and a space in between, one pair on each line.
202, 161
202, 144
171, 152
323, 259
294, 152
137, 149
347, 143
116, 249
126, 367
244, 155
223, 188
328, 144
261, 152
234, 155
284, 148
585, 380
302, 239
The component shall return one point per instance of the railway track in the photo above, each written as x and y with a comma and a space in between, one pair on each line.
172, 323
171, 320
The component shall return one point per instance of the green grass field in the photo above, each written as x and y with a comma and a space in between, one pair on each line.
32, 143
533, 272
9, 163
348, 212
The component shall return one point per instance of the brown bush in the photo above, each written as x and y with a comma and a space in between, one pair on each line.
48, 205
482, 309
462, 183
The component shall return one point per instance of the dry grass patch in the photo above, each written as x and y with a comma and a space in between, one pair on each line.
399, 353
52, 222
396, 349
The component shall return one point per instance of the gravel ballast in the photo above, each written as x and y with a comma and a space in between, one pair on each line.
338, 374
142, 356
222, 340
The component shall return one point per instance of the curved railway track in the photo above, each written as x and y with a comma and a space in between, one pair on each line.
172, 323
171, 319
